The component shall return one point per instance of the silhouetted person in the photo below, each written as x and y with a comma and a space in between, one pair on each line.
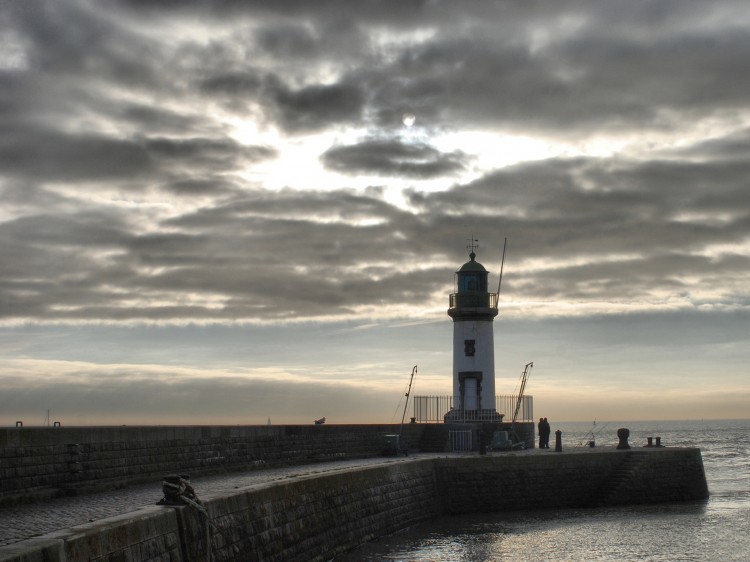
540, 428
544, 431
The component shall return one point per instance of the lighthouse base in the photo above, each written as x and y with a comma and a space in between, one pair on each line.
471, 416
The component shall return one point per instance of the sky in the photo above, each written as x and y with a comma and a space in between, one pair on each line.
241, 212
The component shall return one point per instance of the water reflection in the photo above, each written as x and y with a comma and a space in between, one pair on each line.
715, 529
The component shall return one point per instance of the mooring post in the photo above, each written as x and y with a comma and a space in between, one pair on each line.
558, 441
650, 441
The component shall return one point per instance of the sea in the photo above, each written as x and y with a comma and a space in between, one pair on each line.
717, 529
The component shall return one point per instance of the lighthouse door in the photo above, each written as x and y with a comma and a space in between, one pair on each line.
470, 394
470, 389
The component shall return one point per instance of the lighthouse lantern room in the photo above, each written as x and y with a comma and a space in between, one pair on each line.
473, 310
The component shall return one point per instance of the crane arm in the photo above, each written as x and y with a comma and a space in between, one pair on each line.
524, 378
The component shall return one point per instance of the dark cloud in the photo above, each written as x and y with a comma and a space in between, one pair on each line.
100, 47
567, 70
307, 254
289, 40
376, 11
150, 118
296, 110
631, 280
315, 107
393, 158
624, 205
732, 148
53, 156
127, 196
187, 231
207, 154
234, 84
262, 257
202, 185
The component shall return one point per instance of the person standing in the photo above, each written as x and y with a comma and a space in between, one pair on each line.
540, 428
544, 433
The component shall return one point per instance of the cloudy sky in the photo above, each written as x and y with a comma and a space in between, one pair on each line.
225, 212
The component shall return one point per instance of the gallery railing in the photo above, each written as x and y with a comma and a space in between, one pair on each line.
473, 300
432, 409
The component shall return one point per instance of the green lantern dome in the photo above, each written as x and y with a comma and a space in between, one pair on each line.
472, 265
472, 299
472, 277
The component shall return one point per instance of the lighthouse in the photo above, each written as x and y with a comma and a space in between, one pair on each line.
473, 310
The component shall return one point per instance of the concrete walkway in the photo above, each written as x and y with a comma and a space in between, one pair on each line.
23, 522
26, 521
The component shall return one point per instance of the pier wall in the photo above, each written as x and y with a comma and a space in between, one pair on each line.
151, 534
41, 462
318, 516
47, 462
597, 477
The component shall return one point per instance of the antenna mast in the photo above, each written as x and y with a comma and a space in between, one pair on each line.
502, 264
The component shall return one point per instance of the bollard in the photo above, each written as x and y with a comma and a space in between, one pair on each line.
171, 487
558, 441
19, 424
176, 487
658, 442
650, 441
623, 433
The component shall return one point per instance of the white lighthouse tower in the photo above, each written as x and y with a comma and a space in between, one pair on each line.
473, 310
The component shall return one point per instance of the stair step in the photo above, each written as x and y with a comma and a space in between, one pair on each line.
617, 479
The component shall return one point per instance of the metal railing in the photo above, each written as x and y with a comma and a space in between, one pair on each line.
459, 440
473, 300
432, 409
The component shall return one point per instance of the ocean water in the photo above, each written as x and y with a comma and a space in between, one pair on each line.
717, 529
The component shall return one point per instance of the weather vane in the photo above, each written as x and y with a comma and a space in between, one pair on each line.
473, 243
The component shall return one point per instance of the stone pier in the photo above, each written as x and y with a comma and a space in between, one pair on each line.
321, 512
